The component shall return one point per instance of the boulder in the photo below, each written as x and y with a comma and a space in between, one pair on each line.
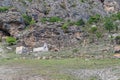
1, 50
116, 55
41, 49
21, 50
117, 49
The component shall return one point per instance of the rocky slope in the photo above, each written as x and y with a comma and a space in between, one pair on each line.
12, 22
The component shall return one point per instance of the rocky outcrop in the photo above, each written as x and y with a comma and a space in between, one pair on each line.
12, 23
36, 36
64, 8
111, 6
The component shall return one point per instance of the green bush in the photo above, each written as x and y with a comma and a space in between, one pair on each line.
117, 39
65, 26
51, 19
11, 40
114, 17
54, 19
118, 15
32, 22
98, 35
109, 24
43, 20
93, 29
3, 9
94, 19
80, 22
30, 0
27, 19
75, 50
82, 1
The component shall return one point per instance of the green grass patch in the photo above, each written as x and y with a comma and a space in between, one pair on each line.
11, 40
66, 63
94, 19
3, 9
51, 19
28, 20
52, 68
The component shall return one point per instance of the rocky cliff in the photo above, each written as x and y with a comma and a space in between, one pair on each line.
40, 30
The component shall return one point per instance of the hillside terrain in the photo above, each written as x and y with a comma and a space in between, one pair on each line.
60, 23
59, 39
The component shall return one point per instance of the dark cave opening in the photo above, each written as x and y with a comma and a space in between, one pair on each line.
4, 32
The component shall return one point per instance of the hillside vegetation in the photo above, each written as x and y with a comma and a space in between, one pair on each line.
59, 39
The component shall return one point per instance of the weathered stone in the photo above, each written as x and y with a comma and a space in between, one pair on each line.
41, 49
21, 50
117, 49
116, 55
1, 50
12, 23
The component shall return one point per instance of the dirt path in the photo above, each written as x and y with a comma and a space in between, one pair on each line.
96, 74
22, 73
19, 73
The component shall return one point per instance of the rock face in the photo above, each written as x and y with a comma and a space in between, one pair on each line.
111, 6
12, 23
64, 8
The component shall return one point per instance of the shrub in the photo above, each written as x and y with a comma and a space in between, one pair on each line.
93, 29
98, 35
80, 22
27, 19
109, 24
32, 22
114, 17
65, 26
54, 19
30, 0
51, 19
75, 50
117, 39
82, 1
118, 15
43, 20
11, 40
3, 9
94, 19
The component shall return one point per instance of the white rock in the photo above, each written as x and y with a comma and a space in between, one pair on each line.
117, 49
1, 50
41, 49
9, 48
21, 50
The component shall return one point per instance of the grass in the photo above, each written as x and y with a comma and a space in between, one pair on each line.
74, 63
3, 9
52, 68
51, 19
